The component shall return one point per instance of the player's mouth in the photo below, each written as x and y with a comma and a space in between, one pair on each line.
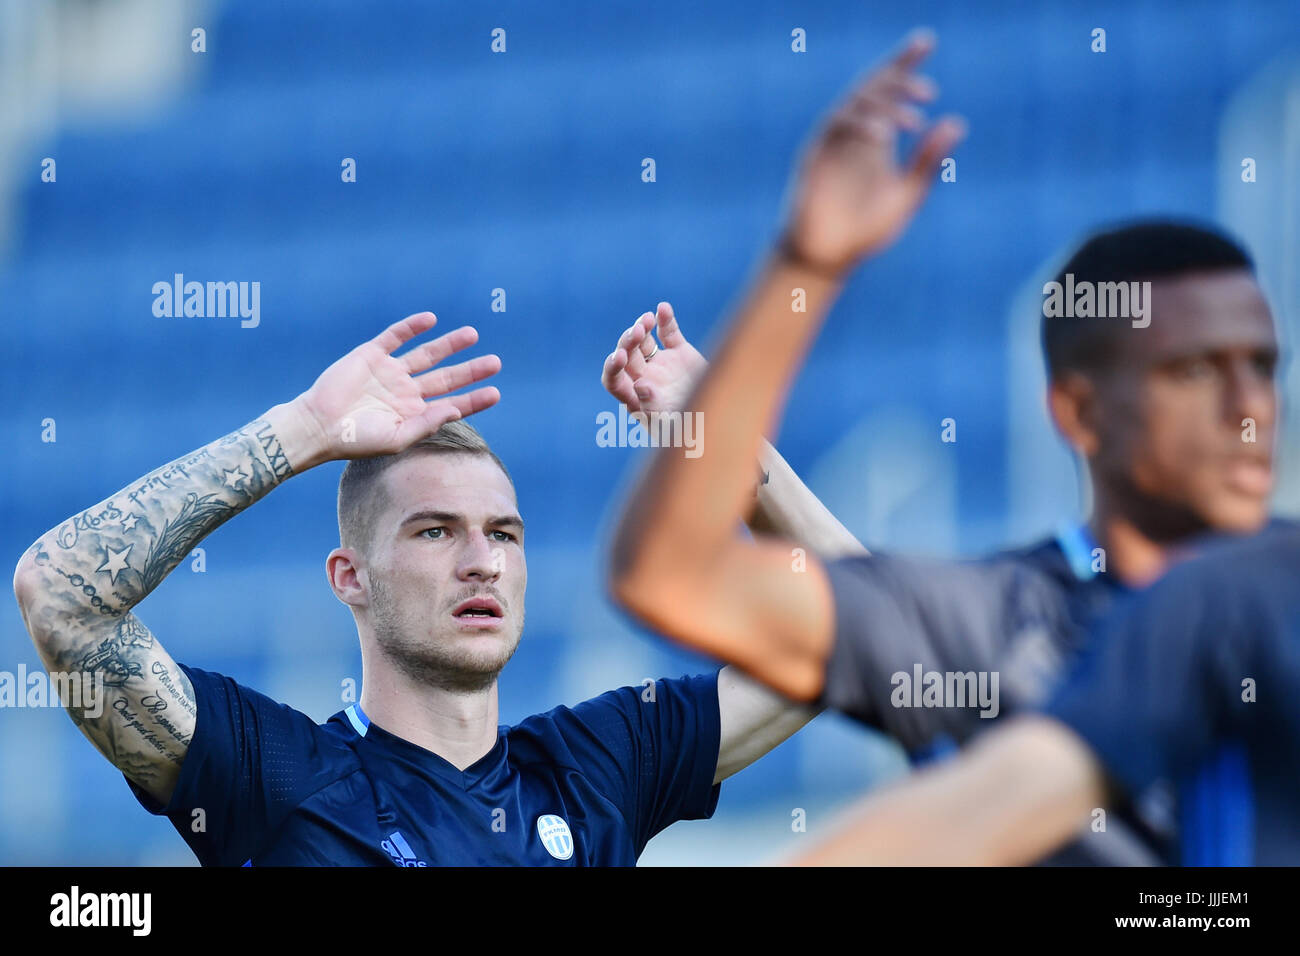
479, 612
1250, 475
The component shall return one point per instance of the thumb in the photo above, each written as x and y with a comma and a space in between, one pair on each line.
670, 334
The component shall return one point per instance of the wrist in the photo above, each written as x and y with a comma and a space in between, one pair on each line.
301, 436
792, 254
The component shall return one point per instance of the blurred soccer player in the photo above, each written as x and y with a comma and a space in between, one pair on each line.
1202, 666
431, 563
1158, 413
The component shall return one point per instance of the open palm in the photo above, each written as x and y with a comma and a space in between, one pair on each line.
851, 195
371, 402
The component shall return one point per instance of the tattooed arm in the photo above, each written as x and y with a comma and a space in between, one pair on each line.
77, 585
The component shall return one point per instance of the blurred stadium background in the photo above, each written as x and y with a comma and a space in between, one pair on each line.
522, 171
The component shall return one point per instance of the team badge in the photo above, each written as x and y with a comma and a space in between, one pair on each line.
555, 836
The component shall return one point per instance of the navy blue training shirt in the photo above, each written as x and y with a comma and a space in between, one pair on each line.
1197, 680
1018, 617
587, 785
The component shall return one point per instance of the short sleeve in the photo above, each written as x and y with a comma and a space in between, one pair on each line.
1152, 694
250, 762
894, 615
651, 749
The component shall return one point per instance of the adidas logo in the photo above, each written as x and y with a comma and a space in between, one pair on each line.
401, 852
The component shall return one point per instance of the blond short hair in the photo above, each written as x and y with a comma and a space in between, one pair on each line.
362, 497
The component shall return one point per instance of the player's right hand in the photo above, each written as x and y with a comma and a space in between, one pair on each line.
371, 402
661, 383
851, 196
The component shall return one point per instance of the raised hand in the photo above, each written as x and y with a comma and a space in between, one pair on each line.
371, 402
851, 196
649, 376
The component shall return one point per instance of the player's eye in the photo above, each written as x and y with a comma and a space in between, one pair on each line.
504, 536
1193, 369
434, 533
1265, 364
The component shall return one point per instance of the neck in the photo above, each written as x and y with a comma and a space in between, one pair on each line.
1139, 550
458, 726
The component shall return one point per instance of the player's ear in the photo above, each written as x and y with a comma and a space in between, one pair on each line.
1072, 402
343, 569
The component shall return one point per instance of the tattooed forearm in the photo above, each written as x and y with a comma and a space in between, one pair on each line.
180, 690
143, 714
78, 583
129, 542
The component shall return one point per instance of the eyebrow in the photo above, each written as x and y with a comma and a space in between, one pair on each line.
450, 517
1185, 352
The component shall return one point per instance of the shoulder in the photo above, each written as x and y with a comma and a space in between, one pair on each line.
1240, 558
981, 580
617, 717
626, 703
251, 714
1044, 557
1232, 576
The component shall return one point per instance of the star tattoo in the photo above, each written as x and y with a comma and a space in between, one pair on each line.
115, 562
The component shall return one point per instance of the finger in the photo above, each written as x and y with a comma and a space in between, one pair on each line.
393, 337
469, 403
648, 345
431, 353
895, 88
443, 380
923, 89
670, 333
934, 146
916, 46
633, 334
618, 383
874, 104
645, 392
646, 321
873, 129
630, 342
444, 410
615, 362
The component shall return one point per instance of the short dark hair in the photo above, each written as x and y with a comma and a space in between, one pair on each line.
361, 497
1142, 250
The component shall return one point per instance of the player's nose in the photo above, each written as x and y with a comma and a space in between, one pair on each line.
481, 558
1251, 394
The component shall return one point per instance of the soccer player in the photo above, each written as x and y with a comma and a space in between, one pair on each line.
431, 564
1173, 414
1204, 663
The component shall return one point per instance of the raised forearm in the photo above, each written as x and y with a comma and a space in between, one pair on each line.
689, 507
786, 508
106, 559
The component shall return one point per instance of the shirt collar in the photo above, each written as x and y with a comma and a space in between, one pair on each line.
427, 759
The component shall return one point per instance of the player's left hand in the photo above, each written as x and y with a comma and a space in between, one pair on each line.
851, 196
649, 376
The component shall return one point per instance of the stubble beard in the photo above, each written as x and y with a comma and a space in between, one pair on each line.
431, 661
